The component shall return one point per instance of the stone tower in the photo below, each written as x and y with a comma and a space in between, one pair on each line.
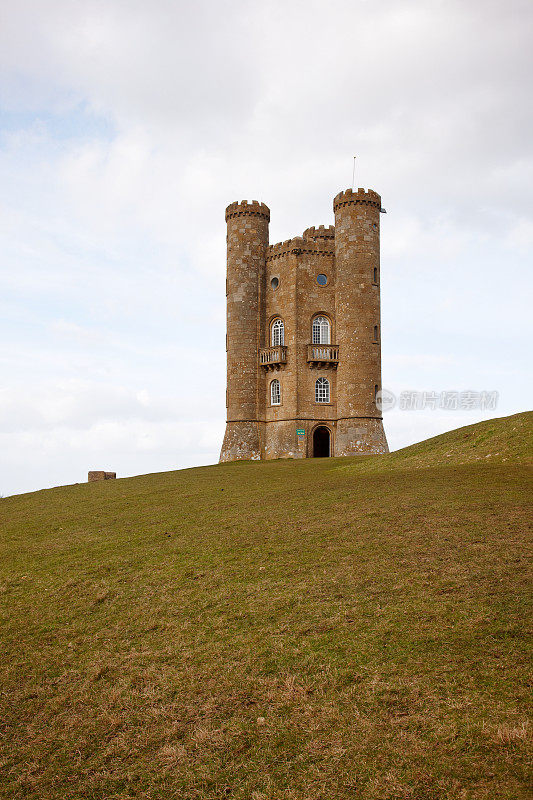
303, 335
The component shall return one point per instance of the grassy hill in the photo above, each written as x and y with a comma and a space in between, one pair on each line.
334, 629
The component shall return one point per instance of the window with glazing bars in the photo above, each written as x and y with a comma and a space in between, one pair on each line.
278, 332
322, 390
275, 393
321, 330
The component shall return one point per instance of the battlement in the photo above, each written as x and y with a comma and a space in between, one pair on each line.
247, 209
359, 197
299, 245
320, 233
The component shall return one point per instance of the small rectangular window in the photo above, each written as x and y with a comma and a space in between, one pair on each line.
322, 390
375, 333
321, 330
275, 393
278, 333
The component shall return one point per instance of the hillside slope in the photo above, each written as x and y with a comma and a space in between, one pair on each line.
496, 441
336, 628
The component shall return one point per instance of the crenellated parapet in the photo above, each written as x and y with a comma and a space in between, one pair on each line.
359, 197
247, 209
320, 233
284, 248
299, 245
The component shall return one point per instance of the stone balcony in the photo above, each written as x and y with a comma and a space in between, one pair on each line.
273, 357
323, 355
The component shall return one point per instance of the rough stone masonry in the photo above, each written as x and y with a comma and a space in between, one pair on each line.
100, 475
303, 335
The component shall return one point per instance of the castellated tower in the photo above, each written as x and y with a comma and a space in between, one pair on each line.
245, 287
303, 335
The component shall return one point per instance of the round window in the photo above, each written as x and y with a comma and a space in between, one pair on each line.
274, 283
322, 279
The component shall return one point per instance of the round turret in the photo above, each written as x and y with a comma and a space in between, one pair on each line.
357, 217
247, 209
247, 241
350, 197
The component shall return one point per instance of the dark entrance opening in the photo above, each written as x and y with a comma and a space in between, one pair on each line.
321, 442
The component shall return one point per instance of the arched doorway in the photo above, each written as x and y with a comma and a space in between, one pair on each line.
321, 442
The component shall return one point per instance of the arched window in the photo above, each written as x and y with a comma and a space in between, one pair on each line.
275, 393
321, 330
278, 332
322, 390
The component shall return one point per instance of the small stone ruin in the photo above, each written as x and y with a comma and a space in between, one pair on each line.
100, 475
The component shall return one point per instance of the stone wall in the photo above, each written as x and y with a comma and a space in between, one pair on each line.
280, 281
100, 475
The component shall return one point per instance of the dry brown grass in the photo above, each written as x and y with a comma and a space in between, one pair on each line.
326, 629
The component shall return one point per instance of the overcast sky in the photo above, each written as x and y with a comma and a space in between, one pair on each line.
127, 127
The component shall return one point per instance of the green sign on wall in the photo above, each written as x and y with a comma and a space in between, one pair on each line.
300, 432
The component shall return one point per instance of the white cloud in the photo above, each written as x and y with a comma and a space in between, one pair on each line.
129, 127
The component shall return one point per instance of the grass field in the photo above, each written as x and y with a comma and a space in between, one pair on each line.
333, 629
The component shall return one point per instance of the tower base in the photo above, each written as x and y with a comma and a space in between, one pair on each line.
241, 442
252, 441
364, 436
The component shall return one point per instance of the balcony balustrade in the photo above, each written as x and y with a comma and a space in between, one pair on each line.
323, 355
273, 357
